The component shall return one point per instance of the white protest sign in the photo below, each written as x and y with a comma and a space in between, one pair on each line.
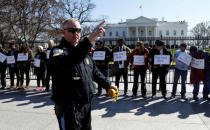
37, 62
161, 59
198, 63
48, 54
120, 56
185, 58
22, 57
99, 55
10, 59
2, 57
138, 60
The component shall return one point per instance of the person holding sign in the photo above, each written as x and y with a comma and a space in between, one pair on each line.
159, 70
102, 57
181, 69
3, 67
13, 67
138, 58
197, 75
206, 81
25, 65
39, 68
72, 77
51, 44
121, 64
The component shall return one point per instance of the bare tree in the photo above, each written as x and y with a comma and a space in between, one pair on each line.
81, 10
201, 30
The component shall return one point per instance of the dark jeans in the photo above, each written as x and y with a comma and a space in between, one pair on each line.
183, 74
3, 77
105, 73
40, 76
206, 86
49, 73
12, 73
142, 73
74, 116
124, 73
22, 72
161, 73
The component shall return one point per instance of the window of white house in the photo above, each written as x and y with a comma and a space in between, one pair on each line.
150, 33
174, 32
124, 33
182, 32
160, 33
117, 34
142, 33
110, 33
167, 33
133, 33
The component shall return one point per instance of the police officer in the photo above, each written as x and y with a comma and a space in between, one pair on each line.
3, 67
159, 70
72, 77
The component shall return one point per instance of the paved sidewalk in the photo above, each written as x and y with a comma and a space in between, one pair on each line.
31, 110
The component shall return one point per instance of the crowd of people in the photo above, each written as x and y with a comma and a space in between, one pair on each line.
19, 63
142, 57
74, 65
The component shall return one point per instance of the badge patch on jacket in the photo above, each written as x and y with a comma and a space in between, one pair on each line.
57, 52
87, 61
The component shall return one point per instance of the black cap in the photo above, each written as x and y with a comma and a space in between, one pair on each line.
183, 45
159, 43
193, 49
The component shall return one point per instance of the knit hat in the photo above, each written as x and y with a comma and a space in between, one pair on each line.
159, 43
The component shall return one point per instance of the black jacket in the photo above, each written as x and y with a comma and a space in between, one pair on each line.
15, 53
3, 65
103, 64
157, 52
42, 57
73, 72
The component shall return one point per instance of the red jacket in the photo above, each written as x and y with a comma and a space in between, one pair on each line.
196, 75
136, 52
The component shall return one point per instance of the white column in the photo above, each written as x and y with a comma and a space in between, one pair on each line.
128, 32
146, 31
137, 32
155, 32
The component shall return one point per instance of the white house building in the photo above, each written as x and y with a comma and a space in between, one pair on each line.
145, 27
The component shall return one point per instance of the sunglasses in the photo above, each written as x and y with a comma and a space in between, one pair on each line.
73, 30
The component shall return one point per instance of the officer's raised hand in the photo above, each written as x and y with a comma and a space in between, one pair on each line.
97, 32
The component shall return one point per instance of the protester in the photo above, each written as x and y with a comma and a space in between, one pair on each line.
139, 69
3, 67
39, 68
206, 81
197, 75
72, 77
181, 69
121, 67
159, 70
49, 70
25, 65
13, 67
102, 64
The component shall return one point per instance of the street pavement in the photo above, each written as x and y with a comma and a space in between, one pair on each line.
32, 110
